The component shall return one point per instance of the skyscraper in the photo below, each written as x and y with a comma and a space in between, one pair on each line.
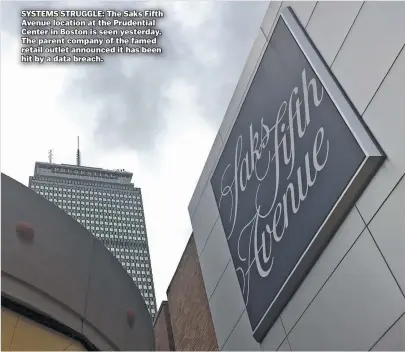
109, 206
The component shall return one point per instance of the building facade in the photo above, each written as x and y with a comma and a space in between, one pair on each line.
297, 215
107, 204
184, 321
163, 329
61, 289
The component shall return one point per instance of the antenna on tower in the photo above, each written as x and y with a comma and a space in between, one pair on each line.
50, 155
78, 157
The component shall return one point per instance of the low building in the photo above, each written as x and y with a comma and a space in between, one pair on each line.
163, 329
184, 321
61, 288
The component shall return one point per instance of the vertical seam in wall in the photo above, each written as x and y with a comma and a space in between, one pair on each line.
274, 22
68, 346
383, 80
219, 280
226, 340
169, 328
88, 284
12, 336
310, 16
329, 276
385, 333
284, 339
382, 203
286, 336
382, 255
347, 34
263, 32
209, 235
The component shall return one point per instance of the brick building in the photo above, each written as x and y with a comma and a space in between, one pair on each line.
188, 326
163, 329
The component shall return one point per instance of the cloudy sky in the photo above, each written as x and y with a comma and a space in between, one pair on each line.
156, 117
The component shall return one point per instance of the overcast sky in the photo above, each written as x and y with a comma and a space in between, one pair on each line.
155, 117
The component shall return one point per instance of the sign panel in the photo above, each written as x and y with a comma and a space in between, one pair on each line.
295, 162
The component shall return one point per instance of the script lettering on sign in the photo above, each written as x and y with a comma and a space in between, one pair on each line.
294, 163
270, 147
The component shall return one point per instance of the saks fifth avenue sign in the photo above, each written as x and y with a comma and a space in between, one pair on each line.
295, 161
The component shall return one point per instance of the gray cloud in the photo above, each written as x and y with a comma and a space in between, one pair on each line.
130, 95
127, 94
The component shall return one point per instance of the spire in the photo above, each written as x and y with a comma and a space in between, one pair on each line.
78, 157
50, 155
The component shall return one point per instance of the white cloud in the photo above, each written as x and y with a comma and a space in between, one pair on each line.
32, 121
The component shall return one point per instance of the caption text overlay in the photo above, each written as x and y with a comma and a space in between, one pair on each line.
87, 36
